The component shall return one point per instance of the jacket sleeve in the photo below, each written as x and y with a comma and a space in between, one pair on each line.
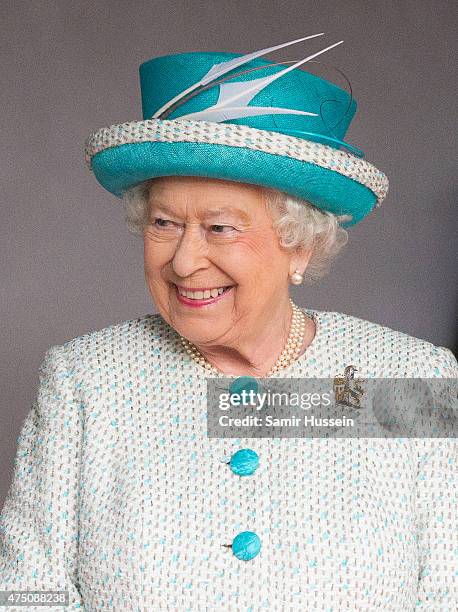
39, 520
437, 510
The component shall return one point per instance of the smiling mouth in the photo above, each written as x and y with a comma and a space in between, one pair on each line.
202, 294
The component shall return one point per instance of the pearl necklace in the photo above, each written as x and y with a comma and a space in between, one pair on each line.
289, 354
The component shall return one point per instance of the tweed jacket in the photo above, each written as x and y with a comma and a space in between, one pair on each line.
119, 498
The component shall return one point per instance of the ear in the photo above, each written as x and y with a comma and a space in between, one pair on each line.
300, 260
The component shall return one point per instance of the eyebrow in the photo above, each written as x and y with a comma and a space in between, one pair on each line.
215, 212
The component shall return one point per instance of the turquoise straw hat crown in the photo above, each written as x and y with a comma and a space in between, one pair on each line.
241, 118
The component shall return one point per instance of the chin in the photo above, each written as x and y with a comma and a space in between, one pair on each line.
198, 332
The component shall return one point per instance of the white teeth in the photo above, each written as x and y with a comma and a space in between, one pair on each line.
199, 295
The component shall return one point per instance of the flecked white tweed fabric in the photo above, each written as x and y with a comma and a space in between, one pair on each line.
119, 497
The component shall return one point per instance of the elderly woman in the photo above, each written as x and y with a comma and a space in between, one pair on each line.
119, 497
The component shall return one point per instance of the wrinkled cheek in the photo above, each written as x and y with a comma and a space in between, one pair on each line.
158, 289
156, 255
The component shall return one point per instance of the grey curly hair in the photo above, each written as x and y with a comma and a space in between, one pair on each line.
299, 224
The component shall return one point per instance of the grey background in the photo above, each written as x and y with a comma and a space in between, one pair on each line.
69, 265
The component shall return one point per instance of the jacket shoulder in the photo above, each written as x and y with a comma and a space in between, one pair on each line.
152, 326
384, 351
116, 345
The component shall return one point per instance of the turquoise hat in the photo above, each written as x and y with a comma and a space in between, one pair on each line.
242, 118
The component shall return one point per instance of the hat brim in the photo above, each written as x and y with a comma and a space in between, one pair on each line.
120, 167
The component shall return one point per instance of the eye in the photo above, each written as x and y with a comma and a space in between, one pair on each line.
219, 229
161, 222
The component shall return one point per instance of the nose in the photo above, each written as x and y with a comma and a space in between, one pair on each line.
191, 252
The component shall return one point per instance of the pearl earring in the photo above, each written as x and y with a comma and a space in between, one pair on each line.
297, 278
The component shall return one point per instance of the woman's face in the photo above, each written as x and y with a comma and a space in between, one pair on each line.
214, 238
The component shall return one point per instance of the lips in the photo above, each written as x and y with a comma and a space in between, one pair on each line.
212, 295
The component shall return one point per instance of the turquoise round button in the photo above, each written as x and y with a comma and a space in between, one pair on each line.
244, 462
246, 545
243, 383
